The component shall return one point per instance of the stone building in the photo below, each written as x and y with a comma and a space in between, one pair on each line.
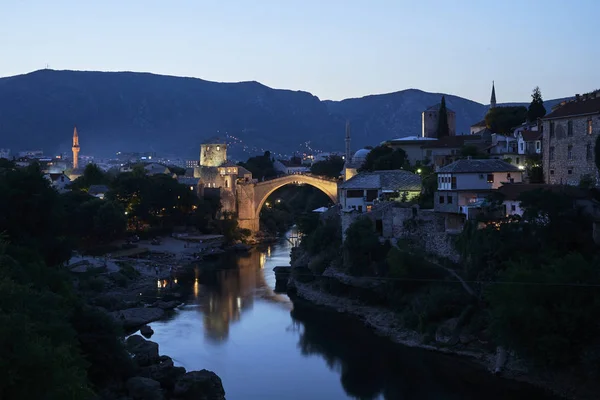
569, 135
430, 119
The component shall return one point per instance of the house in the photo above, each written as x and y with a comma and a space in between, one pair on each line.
360, 192
529, 142
98, 191
464, 185
155, 168
569, 134
412, 146
290, 167
478, 127
59, 181
447, 149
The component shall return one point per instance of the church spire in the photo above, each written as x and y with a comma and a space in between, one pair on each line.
493, 98
75, 149
348, 155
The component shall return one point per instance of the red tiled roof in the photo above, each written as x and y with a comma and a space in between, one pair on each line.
579, 106
530, 136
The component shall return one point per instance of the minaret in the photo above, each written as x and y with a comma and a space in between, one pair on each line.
348, 155
75, 149
493, 98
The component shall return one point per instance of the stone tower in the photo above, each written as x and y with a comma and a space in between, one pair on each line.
213, 152
430, 119
348, 154
75, 149
493, 98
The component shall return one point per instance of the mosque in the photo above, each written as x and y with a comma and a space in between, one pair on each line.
353, 161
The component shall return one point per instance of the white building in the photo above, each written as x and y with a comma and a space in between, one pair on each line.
290, 167
529, 142
464, 185
59, 181
360, 192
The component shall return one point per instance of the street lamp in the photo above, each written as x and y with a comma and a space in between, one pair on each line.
419, 171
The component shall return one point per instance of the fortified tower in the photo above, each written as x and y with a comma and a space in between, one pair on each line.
75, 149
213, 152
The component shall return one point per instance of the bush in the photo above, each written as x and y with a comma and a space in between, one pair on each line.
128, 270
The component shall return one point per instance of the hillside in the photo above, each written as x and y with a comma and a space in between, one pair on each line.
128, 111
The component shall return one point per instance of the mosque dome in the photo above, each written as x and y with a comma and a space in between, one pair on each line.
360, 156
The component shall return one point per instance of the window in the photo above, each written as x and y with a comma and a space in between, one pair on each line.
354, 194
490, 178
518, 161
570, 171
449, 199
508, 175
359, 208
441, 199
521, 145
570, 152
513, 208
588, 152
589, 126
369, 208
570, 128
551, 129
551, 153
538, 144
453, 182
218, 148
207, 148
372, 194
551, 172
226, 183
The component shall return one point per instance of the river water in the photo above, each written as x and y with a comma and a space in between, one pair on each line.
264, 348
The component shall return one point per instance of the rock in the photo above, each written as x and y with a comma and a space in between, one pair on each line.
164, 372
166, 305
135, 317
144, 351
445, 330
146, 331
140, 388
199, 385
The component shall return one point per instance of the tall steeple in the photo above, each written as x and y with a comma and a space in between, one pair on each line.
493, 98
348, 155
75, 149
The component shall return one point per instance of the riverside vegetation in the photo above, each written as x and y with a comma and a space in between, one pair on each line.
529, 285
55, 343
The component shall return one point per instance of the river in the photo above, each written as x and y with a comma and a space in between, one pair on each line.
262, 348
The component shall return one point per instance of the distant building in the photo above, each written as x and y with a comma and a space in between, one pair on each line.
290, 167
5, 153
31, 154
191, 163
569, 135
412, 146
360, 192
430, 119
529, 142
448, 149
464, 185
98, 191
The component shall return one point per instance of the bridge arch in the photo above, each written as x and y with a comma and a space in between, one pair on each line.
263, 190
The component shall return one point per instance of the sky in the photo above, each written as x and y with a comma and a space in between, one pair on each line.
334, 49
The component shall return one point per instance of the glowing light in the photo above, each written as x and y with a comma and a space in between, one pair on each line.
175, 280
419, 171
521, 167
196, 288
158, 283
279, 200
268, 204
239, 302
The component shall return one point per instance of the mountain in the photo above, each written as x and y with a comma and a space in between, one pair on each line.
128, 111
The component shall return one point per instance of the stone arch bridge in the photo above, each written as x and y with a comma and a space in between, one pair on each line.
251, 196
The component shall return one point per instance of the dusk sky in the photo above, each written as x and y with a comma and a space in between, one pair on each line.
334, 49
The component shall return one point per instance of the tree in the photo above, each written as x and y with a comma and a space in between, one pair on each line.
330, 167
443, 128
92, 175
385, 158
260, 166
536, 107
361, 247
504, 119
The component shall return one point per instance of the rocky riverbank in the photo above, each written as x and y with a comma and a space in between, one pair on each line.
386, 322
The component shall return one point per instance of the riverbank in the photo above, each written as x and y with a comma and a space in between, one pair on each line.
385, 322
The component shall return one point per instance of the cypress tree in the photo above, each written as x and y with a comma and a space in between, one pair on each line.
536, 107
443, 127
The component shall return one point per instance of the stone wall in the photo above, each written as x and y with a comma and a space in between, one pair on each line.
563, 169
213, 155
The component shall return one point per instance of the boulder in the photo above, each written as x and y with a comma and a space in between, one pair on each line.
135, 317
144, 351
146, 331
166, 305
445, 332
199, 385
140, 388
164, 372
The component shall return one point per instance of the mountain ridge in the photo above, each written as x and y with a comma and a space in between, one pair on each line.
142, 111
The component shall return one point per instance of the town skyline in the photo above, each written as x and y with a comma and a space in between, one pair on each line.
335, 51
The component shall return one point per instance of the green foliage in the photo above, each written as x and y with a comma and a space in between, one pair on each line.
587, 181
326, 236
260, 166
228, 227
385, 158
503, 119
541, 315
536, 107
443, 127
331, 167
179, 171
362, 249
92, 175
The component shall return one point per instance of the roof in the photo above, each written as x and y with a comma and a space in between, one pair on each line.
512, 191
485, 165
480, 123
97, 189
581, 105
385, 180
530, 136
209, 174
55, 176
411, 138
436, 107
214, 140
453, 141
290, 163
243, 171
228, 163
